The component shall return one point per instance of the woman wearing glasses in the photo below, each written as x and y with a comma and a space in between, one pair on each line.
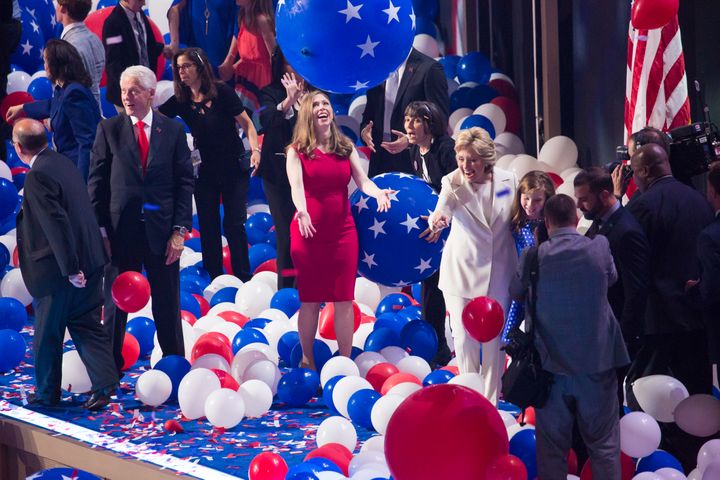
213, 111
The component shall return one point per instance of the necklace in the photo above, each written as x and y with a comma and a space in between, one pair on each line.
207, 17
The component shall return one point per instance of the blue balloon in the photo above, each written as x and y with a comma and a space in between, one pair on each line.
419, 338
354, 352
194, 244
63, 474
256, 194
298, 386
367, 45
327, 393
321, 354
393, 321
40, 88
392, 303
4, 252
657, 460
287, 300
176, 367
287, 342
193, 283
190, 303
109, 3
381, 338
474, 67
416, 291
246, 336
167, 71
391, 253
271, 239
107, 107
8, 197
522, 445
45, 15
426, 8
260, 253
19, 180
479, 121
413, 312
257, 227
143, 329
257, 323
13, 348
198, 270
471, 97
226, 294
449, 64
360, 406
437, 377
13, 315
28, 55
322, 465
298, 472
427, 26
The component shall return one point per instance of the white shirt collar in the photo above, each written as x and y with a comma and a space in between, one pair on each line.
32, 160
69, 27
131, 15
147, 120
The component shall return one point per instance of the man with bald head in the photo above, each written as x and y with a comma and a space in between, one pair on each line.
672, 215
61, 257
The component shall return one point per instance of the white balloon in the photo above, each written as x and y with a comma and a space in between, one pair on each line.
393, 354
344, 389
670, 474
157, 11
367, 460
5, 172
457, 116
357, 107
505, 161
508, 143
365, 309
404, 389
369, 473
338, 366
559, 152
273, 314
75, 378
224, 408
523, 164
695, 475
17, 81
647, 476
259, 208
208, 322
383, 410
330, 475
265, 371
253, 297
38, 74
194, 389
361, 334
415, 366
374, 444
470, 84
507, 418
163, 91
709, 453
348, 122
222, 307
501, 76
337, 430
512, 430
271, 354
242, 361
568, 175
367, 292
366, 360
470, 380
13, 286
227, 329
658, 395
219, 283
189, 258
153, 387
639, 434
211, 361
493, 113
427, 45
257, 397
10, 242
268, 278
698, 415
453, 85
385, 290
155, 356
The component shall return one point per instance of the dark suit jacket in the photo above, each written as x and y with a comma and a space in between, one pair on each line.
629, 248
709, 286
423, 79
439, 161
121, 196
121, 50
278, 133
672, 216
74, 115
56, 236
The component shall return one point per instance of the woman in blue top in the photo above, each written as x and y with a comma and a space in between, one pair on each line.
73, 111
528, 227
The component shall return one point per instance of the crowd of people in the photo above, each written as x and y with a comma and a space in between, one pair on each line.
634, 295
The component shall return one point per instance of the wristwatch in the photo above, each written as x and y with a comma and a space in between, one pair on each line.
181, 230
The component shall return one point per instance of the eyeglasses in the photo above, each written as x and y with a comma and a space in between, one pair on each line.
184, 66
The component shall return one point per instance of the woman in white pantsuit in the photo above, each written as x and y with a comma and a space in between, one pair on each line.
479, 257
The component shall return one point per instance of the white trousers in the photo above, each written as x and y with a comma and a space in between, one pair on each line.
467, 350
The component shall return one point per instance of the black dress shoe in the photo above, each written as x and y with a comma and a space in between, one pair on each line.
35, 401
98, 400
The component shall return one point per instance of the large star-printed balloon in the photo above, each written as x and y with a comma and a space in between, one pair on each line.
391, 252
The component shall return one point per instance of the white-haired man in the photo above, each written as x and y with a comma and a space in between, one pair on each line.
140, 184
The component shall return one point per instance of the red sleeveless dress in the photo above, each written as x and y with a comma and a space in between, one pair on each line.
326, 264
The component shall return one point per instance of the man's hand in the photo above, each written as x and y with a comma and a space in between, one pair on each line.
106, 242
255, 162
78, 280
13, 113
396, 146
620, 184
366, 135
174, 248
691, 284
293, 88
226, 71
169, 51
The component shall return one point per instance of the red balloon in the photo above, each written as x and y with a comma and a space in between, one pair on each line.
173, 426
192, 234
130, 351
572, 462
336, 453
212, 342
454, 430
186, 316
397, 379
366, 151
452, 369
13, 99
226, 380
512, 113
327, 321
18, 170
631, 189
227, 262
379, 373
650, 14
504, 88
529, 416
507, 467
130, 291
267, 466
15, 258
267, 266
366, 319
234, 317
483, 318
556, 179
204, 304
95, 21
627, 469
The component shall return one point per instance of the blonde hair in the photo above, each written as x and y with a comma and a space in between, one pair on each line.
479, 142
304, 140
531, 182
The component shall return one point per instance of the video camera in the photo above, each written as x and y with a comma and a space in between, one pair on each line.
693, 148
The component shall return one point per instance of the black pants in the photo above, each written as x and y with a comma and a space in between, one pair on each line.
282, 210
434, 313
233, 189
165, 291
10, 34
78, 309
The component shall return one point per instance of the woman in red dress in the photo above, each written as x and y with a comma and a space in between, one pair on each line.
323, 239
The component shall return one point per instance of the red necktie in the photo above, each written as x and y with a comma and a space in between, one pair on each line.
143, 144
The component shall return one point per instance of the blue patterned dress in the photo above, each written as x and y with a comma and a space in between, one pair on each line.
524, 238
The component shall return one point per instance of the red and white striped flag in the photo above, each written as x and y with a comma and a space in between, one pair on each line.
656, 91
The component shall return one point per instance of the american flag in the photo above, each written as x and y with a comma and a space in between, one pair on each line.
656, 91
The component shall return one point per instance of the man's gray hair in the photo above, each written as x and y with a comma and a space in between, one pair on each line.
145, 77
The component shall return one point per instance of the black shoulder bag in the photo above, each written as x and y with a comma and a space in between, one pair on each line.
525, 383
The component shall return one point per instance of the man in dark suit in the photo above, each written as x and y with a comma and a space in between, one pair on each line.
141, 183
129, 40
61, 258
418, 78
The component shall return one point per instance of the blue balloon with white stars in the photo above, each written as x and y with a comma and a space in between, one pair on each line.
63, 474
391, 251
29, 53
344, 46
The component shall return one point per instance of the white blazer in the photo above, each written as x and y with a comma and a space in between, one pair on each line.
479, 259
